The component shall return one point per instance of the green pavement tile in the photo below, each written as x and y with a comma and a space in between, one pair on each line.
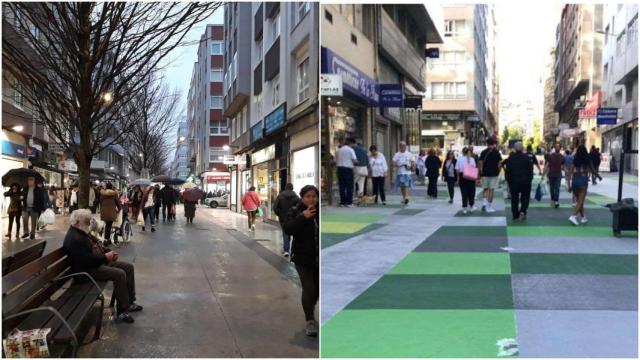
600, 199
540, 217
354, 216
330, 239
424, 263
408, 212
416, 333
499, 213
437, 292
522, 263
342, 227
569, 230
471, 231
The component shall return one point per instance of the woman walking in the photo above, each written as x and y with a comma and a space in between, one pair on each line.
579, 172
15, 209
450, 174
251, 203
302, 223
109, 208
136, 201
189, 210
466, 167
149, 201
379, 169
421, 169
433, 164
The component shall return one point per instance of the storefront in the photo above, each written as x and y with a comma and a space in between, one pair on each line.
304, 167
14, 156
265, 177
216, 181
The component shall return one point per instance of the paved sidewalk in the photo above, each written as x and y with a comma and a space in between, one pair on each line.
208, 290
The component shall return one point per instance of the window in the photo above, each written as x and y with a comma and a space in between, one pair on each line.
456, 28
217, 75
235, 66
275, 98
302, 8
258, 51
632, 32
216, 102
217, 48
606, 35
216, 154
450, 59
449, 91
234, 133
274, 29
217, 127
257, 106
620, 44
17, 94
303, 80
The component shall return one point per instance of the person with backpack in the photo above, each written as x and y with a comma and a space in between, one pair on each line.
251, 203
283, 203
468, 174
519, 175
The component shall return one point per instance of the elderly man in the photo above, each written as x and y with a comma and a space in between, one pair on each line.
404, 163
519, 175
87, 255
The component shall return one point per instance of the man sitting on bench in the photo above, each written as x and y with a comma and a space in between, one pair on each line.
87, 255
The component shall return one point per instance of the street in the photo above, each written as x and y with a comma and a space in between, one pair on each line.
209, 289
427, 281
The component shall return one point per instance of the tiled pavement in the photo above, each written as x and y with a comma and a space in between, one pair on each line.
459, 287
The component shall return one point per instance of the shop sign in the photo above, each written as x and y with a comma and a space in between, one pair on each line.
441, 117
591, 107
215, 178
256, 132
330, 85
390, 95
263, 155
17, 150
68, 165
275, 119
353, 79
607, 116
413, 101
304, 168
56, 147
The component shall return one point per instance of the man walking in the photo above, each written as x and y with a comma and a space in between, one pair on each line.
34, 202
360, 171
519, 174
489, 166
553, 168
283, 204
405, 163
168, 199
345, 161
596, 159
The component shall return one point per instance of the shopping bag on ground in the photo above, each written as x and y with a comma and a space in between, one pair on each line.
48, 217
539, 192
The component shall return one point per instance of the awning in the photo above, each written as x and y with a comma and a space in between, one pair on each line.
432, 133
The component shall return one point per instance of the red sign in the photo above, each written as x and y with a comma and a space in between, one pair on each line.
591, 110
216, 178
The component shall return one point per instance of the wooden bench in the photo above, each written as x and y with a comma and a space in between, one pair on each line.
22, 257
45, 294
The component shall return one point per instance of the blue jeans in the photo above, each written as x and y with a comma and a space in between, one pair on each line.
286, 241
554, 187
149, 212
345, 183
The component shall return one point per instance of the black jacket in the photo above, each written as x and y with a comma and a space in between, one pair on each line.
15, 202
40, 199
284, 202
432, 163
305, 246
78, 247
168, 195
444, 169
519, 168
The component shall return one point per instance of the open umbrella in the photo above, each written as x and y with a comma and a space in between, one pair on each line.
160, 178
189, 185
193, 194
20, 176
142, 182
174, 181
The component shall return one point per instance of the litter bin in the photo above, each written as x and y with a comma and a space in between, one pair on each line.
625, 216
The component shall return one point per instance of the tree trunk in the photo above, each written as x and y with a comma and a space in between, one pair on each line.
84, 179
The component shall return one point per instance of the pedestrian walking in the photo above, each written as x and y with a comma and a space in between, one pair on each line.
73, 199
345, 162
93, 199
432, 165
596, 159
283, 203
404, 163
533, 158
302, 223
158, 204
109, 208
579, 171
251, 203
468, 174
15, 208
450, 174
360, 171
34, 202
519, 175
168, 199
53, 197
149, 201
554, 167
135, 199
379, 168
568, 161
489, 171
421, 169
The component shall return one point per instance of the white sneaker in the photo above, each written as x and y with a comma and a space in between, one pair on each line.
253, 227
584, 220
490, 209
573, 219
464, 210
473, 208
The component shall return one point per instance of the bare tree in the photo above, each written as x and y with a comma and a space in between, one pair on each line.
85, 61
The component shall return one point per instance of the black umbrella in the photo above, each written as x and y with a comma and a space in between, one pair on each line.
160, 178
174, 181
20, 176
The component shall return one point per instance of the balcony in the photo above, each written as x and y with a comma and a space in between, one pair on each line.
629, 111
235, 100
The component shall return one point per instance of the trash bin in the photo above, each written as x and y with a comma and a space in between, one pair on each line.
625, 216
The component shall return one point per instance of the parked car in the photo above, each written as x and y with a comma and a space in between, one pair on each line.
217, 201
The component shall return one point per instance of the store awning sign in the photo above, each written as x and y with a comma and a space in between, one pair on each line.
275, 119
330, 85
607, 116
353, 79
413, 101
17, 150
391, 95
256, 132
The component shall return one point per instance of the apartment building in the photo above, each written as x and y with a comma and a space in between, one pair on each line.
180, 165
550, 117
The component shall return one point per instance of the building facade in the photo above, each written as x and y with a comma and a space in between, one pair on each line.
620, 80
462, 96
373, 47
550, 116
578, 72
270, 98
180, 164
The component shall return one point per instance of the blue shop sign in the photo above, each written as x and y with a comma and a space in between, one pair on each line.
353, 80
391, 95
256, 131
17, 150
276, 119
607, 116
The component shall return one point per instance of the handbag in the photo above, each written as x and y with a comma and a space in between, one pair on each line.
469, 172
538, 195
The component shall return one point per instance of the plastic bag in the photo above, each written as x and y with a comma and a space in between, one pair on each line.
118, 221
48, 217
140, 219
259, 211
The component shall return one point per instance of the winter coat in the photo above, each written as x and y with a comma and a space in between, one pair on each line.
168, 195
40, 199
189, 209
79, 246
136, 198
305, 246
146, 197
109, 205
432, 163
284, 202
15, 206
250, 201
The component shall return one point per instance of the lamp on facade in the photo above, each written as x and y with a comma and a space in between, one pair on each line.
17, 128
